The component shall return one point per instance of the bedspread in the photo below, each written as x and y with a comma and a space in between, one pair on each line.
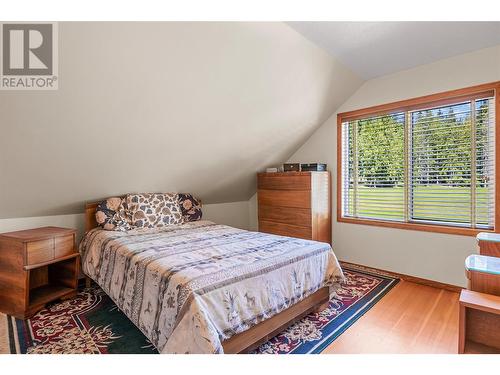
189, 287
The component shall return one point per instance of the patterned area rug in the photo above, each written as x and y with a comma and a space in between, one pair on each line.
91, 323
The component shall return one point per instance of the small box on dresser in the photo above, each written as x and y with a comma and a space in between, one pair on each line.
295, 204
37, 266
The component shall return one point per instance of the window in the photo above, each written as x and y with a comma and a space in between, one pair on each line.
422, 164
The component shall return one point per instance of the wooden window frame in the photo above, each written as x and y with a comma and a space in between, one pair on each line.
439, 99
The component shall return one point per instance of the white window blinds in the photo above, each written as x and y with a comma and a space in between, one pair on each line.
431, 165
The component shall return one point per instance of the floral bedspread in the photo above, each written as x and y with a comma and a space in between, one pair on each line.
189, 287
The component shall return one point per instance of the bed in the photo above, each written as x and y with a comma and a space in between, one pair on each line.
201, 287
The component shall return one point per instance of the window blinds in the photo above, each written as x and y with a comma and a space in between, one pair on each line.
373, 181
431, 165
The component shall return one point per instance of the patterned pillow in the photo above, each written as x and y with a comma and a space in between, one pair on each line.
111, 214
190, 207
153, 210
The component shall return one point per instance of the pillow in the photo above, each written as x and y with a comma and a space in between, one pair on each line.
111, 214
190, 207
153, 210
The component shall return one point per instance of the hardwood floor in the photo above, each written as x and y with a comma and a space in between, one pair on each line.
411, 318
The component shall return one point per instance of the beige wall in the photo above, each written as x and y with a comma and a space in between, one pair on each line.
429, 255
75, 221
234, 214
163, 106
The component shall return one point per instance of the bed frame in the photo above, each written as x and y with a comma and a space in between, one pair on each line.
250, 339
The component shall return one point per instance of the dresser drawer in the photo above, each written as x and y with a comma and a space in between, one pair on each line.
286, 215
64, 246
285, 229
281, 182
285, 198
39, 251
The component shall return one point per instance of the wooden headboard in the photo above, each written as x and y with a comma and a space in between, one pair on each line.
90, 222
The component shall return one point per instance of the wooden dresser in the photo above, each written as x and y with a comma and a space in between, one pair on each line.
295, 204
37, 266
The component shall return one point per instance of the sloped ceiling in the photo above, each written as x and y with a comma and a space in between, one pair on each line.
169, 106
373, 49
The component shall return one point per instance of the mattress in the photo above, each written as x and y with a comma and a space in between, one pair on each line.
189, 287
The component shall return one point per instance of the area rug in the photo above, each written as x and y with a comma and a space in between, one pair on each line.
91, 323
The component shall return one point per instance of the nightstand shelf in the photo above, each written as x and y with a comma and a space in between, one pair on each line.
37, 266
472, 347
479, 323
46, 293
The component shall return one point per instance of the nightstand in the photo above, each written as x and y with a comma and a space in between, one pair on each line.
489, 244
483, 274
37, 266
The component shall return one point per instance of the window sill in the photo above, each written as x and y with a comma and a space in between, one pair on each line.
415, 226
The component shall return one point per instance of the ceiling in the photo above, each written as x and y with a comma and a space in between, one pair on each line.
373, 49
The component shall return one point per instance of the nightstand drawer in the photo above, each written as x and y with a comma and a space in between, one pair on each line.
40, 251
64, 246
